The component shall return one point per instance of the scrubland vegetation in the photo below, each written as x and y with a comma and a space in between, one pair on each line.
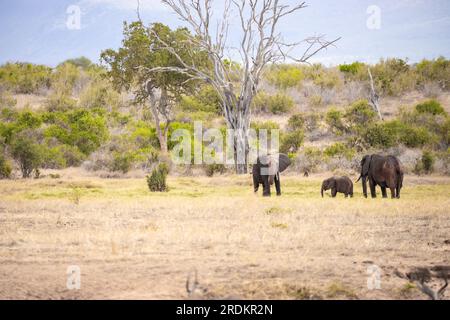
325, 120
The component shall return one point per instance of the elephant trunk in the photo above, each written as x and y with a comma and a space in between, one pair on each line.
364, 185
271, 179
359, 178
323, 189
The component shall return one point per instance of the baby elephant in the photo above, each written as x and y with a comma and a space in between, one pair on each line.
338, 184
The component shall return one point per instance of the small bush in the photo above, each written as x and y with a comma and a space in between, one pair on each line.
431, 106
5, 168
292, 141
334, 120
414, 137
122, 162
156, 181
308, 159
211, 169
296, 122
316, 100
27, 153
339, 149
360, 113
379, 136
284, 77
437, 71
25, 77
428, 161
425, 164
353, 68
277, 104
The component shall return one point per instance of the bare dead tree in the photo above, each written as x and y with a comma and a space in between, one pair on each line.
421, 276
373, 97
260, 44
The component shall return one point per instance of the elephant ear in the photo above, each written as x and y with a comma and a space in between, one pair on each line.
282, 160
365, 163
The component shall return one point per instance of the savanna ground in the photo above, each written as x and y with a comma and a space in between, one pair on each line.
130, 243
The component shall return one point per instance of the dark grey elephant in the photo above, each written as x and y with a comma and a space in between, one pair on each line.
384, 171
267, 170
338, 184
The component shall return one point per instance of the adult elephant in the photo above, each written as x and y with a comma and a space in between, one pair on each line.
384, 171
267, 170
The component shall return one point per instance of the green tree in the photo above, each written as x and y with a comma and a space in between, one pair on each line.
130, 68
27, 152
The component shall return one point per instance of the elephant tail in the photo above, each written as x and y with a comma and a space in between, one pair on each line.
400, 179
358, 179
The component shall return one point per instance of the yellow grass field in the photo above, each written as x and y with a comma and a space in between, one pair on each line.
130, 243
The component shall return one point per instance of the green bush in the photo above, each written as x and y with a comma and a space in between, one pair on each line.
81, 62
414, 137
315, 100
428, 161
60, 102
206, 99
156, 181
211, 169
326, 78
25, 77
64, 78
268, 125
339, 149
431, 106
393, 77
292, 141
353, 68
5, 168
334, 119
27, 153
379, 135
296, 122
122, 162
277, 104
79, 127
285, 76
387, 134
437, 70
100, 96
360, 113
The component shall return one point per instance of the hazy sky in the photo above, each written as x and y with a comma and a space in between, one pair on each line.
36, 31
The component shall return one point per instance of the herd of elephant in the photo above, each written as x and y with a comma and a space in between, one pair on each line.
378, 170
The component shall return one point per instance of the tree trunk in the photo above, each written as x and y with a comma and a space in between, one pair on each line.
162, 134
373, 97
239, 121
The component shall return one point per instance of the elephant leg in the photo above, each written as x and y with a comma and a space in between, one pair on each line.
392, 192
346, 195
383, 191
398, 186
278, 184
364, 185
255, 183
266, 186
372, 188
333, 192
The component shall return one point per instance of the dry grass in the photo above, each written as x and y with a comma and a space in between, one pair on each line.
133, 244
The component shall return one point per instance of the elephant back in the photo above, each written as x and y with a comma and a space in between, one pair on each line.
278, 160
